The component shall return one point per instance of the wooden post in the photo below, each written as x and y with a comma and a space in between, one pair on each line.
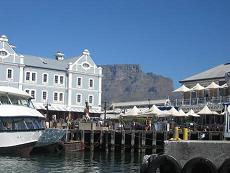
154, 142
210, 136
165, 135
139, 141
122, 139
112, 140
101, 139
132, 140
92, 140
83, 139
143, 138
106, 141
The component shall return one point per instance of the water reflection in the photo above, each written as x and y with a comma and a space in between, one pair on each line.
80, 162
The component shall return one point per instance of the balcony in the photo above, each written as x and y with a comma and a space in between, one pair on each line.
215, 103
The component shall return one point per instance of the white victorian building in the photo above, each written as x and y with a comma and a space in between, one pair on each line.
64, 84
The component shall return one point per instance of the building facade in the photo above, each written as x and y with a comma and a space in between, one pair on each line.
64, 84
215, 98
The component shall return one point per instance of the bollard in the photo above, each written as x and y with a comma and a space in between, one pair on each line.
185, 134
176, 134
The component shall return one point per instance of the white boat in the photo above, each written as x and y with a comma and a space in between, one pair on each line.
21, 125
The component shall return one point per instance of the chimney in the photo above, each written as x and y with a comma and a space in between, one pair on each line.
59, 56
3, 38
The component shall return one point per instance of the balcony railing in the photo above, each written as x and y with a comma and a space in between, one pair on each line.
203, 100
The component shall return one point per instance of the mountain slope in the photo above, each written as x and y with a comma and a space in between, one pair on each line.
129, 83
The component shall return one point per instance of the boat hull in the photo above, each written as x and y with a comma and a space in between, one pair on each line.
18, 142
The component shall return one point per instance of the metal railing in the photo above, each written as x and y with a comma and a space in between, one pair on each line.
202, 100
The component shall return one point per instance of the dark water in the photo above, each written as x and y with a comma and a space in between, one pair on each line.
87, 162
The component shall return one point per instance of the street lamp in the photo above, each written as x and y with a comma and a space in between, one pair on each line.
47, 112
149, 103
105, 111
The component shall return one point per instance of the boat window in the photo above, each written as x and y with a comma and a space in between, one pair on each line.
4, 99
19, 124
7, 124
1, 125
29, 124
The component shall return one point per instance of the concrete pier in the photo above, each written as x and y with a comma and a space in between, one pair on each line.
183, 151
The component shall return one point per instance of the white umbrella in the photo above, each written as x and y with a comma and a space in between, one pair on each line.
133, 112
192, 113
197, 87
206, 111
182, 114
183, 88
224, 86
174, 112
153, 110
213, 85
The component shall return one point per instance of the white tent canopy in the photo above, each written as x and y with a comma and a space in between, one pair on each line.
133, 112
192, 113
182, 114
183, 88
224, 85
154, 110
213, 85
174, 112
206, 111
197, 87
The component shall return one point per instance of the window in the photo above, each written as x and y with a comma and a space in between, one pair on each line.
27, 76
56, 79
55, 96
58, 97
3, 53
45, 78
79, 81
33, 77
9, 73
91, 99
61, 79
32, 93
78, 98
91, 83
61, 97
44, 95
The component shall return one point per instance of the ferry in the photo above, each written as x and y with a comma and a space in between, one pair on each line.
21, 125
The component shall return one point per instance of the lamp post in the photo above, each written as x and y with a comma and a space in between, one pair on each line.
47, 112
105, 111
149, 103
86, 110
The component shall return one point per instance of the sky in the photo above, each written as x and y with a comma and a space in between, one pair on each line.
172, 38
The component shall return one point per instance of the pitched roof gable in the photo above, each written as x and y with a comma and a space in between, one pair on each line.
215, 72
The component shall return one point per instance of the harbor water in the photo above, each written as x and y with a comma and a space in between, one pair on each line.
78, 162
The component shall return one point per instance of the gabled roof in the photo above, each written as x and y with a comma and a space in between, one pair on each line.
48, 63
213, 73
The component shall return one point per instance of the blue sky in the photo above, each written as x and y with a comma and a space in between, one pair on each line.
174, 38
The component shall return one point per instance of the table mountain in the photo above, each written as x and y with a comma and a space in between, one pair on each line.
127, 82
